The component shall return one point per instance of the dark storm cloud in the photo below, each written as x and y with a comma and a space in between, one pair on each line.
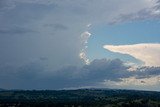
146, 72
28, 18
54, 17
110, 69
35, 76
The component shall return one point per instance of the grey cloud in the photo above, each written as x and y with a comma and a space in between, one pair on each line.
85, 9
56, 26
146, 72
43, 58
60, 49
11, 4
36, 76
15, 30
157, 6
46, 2
143, 14
6, 4
110, 69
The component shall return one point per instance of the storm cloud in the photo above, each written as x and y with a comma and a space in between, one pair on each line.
51, 28
35, 75
40, 42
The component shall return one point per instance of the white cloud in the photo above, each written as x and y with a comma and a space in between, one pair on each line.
83, 56
84, 39
148, 53
143, 81
85, 36
151, 83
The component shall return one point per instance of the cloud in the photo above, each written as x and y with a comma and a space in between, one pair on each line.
65, 77
109, 9
99, 73
151, 83
152, 12
15, 30
85, 36
57, 26
46, 2
6, 5
148, 53
10, 4
84, 40
60, 24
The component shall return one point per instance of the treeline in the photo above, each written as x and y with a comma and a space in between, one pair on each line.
80, 98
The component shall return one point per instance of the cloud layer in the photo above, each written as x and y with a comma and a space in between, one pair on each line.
99, 73
51, 30
148, 53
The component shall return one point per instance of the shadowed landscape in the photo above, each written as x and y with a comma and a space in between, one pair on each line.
80, 98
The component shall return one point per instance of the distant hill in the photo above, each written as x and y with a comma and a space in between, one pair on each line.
80, 98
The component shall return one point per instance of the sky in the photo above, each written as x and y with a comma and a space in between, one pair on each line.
71, 44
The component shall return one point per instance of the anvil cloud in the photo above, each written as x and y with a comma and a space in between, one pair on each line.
148, 53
